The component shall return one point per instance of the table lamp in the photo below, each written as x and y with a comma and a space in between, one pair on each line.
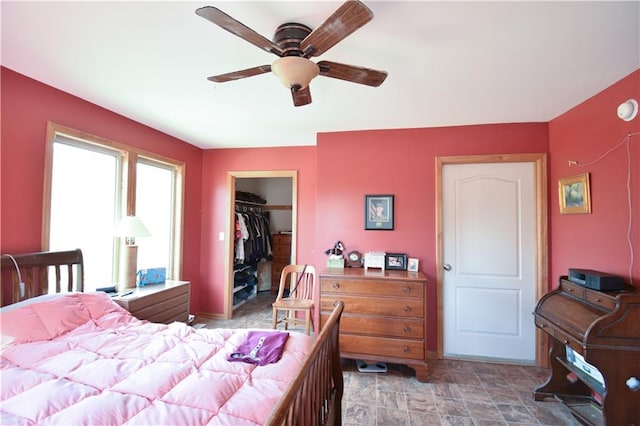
130, 227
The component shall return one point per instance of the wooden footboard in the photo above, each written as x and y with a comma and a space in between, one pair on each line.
35, 269
314, 397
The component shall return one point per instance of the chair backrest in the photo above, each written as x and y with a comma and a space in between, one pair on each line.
302, 281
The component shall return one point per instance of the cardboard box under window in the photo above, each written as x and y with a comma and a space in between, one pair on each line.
151, 276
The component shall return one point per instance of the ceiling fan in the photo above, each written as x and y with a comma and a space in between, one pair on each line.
295, 43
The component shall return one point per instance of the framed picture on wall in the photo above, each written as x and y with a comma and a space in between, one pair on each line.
574, 194
378, 212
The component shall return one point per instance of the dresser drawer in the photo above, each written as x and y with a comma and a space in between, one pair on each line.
600, 299
139, 304
280, 239
573, 289
276, 269
161, 303
396, 307
166, 312
380, 346
281, 247
408, 328
558, 334
371, 287
595, 297
282, 253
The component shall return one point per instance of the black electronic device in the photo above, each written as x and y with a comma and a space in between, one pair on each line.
596, 280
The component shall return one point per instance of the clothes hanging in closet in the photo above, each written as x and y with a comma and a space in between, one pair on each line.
252, 237
252, 243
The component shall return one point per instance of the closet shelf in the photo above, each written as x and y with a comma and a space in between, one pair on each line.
239, 287
264, 206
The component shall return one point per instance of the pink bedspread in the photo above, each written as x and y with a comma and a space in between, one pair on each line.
82, 360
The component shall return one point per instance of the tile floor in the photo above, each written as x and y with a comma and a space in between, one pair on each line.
458, 392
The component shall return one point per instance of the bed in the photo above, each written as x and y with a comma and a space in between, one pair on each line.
70, 357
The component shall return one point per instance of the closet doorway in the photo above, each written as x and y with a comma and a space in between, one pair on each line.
279, 189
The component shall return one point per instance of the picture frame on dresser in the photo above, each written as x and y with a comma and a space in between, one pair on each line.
395, 261
378, 212
413, 264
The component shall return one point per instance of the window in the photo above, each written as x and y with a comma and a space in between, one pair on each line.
90, 183
155, 206
84, 204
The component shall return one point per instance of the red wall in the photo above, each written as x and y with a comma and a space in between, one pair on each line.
27, 106
585, 134
215, 208
401, 162
333, 178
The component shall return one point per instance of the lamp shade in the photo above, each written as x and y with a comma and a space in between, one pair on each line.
131, 227
295, 71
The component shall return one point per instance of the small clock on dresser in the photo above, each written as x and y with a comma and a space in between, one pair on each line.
354, 259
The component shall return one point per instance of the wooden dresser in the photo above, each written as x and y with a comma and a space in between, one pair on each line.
163, 303
603, 328
281, 247
384, 317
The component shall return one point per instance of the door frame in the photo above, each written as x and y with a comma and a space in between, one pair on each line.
539, 160
231, 223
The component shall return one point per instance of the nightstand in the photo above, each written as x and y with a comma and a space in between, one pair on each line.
162, 303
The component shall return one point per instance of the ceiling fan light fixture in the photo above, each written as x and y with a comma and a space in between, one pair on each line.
295, 71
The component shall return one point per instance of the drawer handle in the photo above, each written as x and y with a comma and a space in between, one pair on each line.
335, 303
570, 290
406, 349
407, 309
598, 300
406, 289
565, 341
406, 329
336, 285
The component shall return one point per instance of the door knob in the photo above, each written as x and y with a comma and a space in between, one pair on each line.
446, 267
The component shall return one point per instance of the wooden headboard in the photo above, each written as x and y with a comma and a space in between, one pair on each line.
35, 270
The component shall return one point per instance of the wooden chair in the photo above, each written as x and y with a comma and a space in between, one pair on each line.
300, 299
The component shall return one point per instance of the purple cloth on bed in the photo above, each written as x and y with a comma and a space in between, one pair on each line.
261, 347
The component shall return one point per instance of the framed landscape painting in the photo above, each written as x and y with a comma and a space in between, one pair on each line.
574, 194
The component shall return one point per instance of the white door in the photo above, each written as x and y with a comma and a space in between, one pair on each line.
489, 257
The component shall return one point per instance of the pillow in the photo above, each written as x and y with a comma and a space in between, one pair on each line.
43, 317
27, 302
48, 316
100, 304
62, 314
23, 325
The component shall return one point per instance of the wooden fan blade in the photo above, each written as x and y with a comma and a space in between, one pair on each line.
228, 23
352, 73
348, 18
301, 96
236, 75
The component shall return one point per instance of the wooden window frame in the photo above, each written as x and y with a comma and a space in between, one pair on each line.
127, 180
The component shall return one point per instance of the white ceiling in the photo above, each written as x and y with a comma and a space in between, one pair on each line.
449, 63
